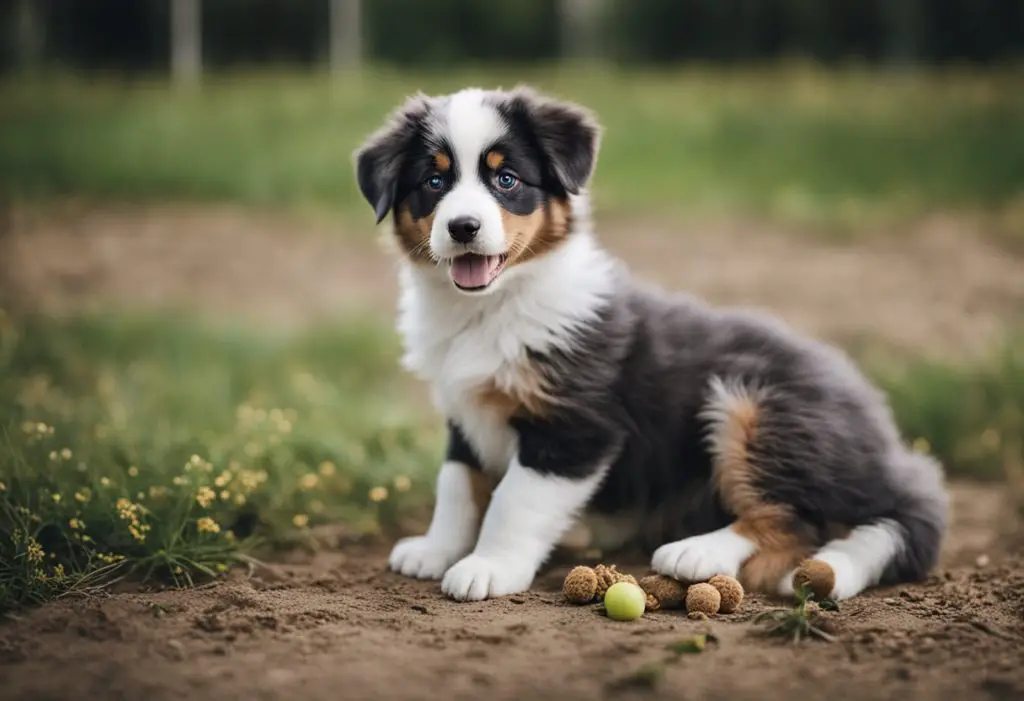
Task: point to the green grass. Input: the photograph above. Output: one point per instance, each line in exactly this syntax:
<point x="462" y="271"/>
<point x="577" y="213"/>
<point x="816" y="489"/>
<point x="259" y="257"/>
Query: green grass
<point x="161" y="447"/>
<point x="849" y="146"/>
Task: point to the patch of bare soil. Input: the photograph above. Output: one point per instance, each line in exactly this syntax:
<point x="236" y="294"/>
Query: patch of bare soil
<point x="941" y="288"/>
<point x="336" y="625"/>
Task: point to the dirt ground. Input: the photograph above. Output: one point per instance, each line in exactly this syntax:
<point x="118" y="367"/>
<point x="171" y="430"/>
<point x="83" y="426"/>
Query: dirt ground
<point x="334" y="624"/>
<point x="937" y="288"/>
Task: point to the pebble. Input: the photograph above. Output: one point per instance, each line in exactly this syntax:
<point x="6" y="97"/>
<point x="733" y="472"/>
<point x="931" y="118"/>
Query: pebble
<point x="177" y="649"/>
<point x="982" y="561"/>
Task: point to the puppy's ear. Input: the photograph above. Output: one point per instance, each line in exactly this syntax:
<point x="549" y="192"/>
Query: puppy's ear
<point x="568" y="135"/>
<point x="379" y="160"/>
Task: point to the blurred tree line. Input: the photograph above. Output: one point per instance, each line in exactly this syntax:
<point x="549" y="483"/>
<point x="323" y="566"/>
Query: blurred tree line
<point x="134" y="34"/>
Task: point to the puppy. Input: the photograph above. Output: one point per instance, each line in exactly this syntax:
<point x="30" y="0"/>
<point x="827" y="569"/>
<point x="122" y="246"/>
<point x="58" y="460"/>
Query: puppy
<point x="719" y="439"/>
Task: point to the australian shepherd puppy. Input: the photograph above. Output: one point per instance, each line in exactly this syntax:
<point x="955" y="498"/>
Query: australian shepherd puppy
<point x="719" y="439"/>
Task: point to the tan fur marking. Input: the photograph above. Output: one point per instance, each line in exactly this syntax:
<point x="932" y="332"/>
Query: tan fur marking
<point x="780" y="545"/>
<point x="532" y="235"/>
<point x="529" y="395"/>
<point x="414" y="235"/>
<point x="494" y="160"/>
<point x="734" y="473"/>
<point x="781" y="540"/>
<point x="764" y="570"/>
<point x="482" y="486"/>
<point x="442" y="162"/>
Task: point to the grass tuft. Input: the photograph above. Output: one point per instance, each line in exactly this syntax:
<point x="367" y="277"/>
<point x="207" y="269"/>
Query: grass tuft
<point x="162" y="449"/>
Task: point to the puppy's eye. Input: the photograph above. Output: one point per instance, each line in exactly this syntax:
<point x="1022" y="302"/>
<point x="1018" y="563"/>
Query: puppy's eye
<point x="435" y="182"/>
<point x="506" y="180"/>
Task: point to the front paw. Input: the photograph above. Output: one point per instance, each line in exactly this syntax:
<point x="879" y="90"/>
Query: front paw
<point x="475" y="578"/>
<point x="699" y="558"/>
<point x="423" y="557"/>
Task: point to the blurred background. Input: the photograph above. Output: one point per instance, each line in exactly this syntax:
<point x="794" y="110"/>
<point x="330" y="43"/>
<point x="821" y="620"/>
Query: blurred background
<point x="196" y="344"/>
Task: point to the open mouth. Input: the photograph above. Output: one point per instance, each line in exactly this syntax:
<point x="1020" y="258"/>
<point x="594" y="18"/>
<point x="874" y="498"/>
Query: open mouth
<point x="471" y="271"/>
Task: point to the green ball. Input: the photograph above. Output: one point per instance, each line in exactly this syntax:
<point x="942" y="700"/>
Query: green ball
<point x="624" y="601"/>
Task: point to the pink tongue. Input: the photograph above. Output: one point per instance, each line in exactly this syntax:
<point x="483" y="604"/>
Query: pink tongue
<point x="471" y="270"/>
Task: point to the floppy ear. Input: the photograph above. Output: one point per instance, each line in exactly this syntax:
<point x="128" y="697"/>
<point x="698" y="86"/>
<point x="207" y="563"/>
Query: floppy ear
<point x="568" y="135"/>
<point x="379" y="160"/>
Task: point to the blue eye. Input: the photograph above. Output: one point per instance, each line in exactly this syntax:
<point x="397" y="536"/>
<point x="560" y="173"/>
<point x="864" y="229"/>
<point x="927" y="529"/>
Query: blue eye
<point x="435" y="182"/>
<point x="506" y="180"/>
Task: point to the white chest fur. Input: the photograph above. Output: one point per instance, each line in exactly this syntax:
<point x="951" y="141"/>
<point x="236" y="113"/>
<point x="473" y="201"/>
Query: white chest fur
<point x="461" y="343"/>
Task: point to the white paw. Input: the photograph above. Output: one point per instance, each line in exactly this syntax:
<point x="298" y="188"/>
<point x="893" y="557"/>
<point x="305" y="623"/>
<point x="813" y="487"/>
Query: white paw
<point x="423" y="557"/>
<point x="701" y="557"/>
<point x="475" y="578"/>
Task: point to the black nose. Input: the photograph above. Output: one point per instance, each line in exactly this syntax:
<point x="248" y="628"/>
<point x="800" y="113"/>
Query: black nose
<point x="463" y="229"/>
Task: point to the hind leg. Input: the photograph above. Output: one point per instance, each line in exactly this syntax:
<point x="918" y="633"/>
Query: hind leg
<point x="766" y="539"/>
<point x="858" y="561"/>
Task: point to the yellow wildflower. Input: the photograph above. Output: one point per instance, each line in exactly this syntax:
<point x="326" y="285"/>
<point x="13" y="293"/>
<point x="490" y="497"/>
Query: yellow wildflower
<point x="225" y="495"/>
<point x="133" y="471"/>
<point x="83" y="495"/>
<point x="402" y="483"/>
<point x="105" y="481"/>
<point x="35" y="550"/>
<point x="76" y="524"/>
<point x="205" y="496"/>
<point x="327" y="468"/>
<point x="53" y="455"/>
<point x="222" y="479"/>
<point x="378" y="494"/>
<point x="65" y="453"/>
<point x="239" y="499"/>
<point x="308" y="481"/>
<point x="56" y="498"/>
<point x="3" y="487"/>
<point x="207" y="525"/>
<point x="300" y="520"/>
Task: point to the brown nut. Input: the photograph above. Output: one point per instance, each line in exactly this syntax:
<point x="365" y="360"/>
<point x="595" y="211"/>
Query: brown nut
<point x="668" y="592"/>
<point x="731" y="591"/>
<point x="580" y="585"/>
<point x="703" y="598"/>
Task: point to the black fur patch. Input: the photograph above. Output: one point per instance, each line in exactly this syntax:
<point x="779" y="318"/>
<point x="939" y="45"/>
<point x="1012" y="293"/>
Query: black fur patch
<point x="565" y="137"/>
<point x="380" y="161"/>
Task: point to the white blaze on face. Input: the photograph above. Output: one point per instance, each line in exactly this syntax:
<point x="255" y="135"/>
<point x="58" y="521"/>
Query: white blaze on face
<point x="470" y="127"/>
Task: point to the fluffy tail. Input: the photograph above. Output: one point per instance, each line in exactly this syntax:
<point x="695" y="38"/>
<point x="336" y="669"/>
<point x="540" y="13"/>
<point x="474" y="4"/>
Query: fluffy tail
<point x="922" y="514"/>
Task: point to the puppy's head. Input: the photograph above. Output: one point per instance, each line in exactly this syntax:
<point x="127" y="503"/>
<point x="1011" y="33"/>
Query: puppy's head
<point x="478" y="182"/>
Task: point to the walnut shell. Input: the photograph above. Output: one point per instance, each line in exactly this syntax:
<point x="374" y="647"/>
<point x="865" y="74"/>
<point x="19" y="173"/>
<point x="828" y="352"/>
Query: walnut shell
<point x="580" y="585"/>
<point x="669" y="593"/>
<point x="703" y="598"/>
<point x="608" y="575"/>
<point x="731" y="591"/>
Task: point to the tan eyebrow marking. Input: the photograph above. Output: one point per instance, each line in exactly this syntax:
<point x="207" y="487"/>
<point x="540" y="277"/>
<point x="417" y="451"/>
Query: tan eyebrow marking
<point x="442" y="162"/>
<point x="494" y="160"/>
